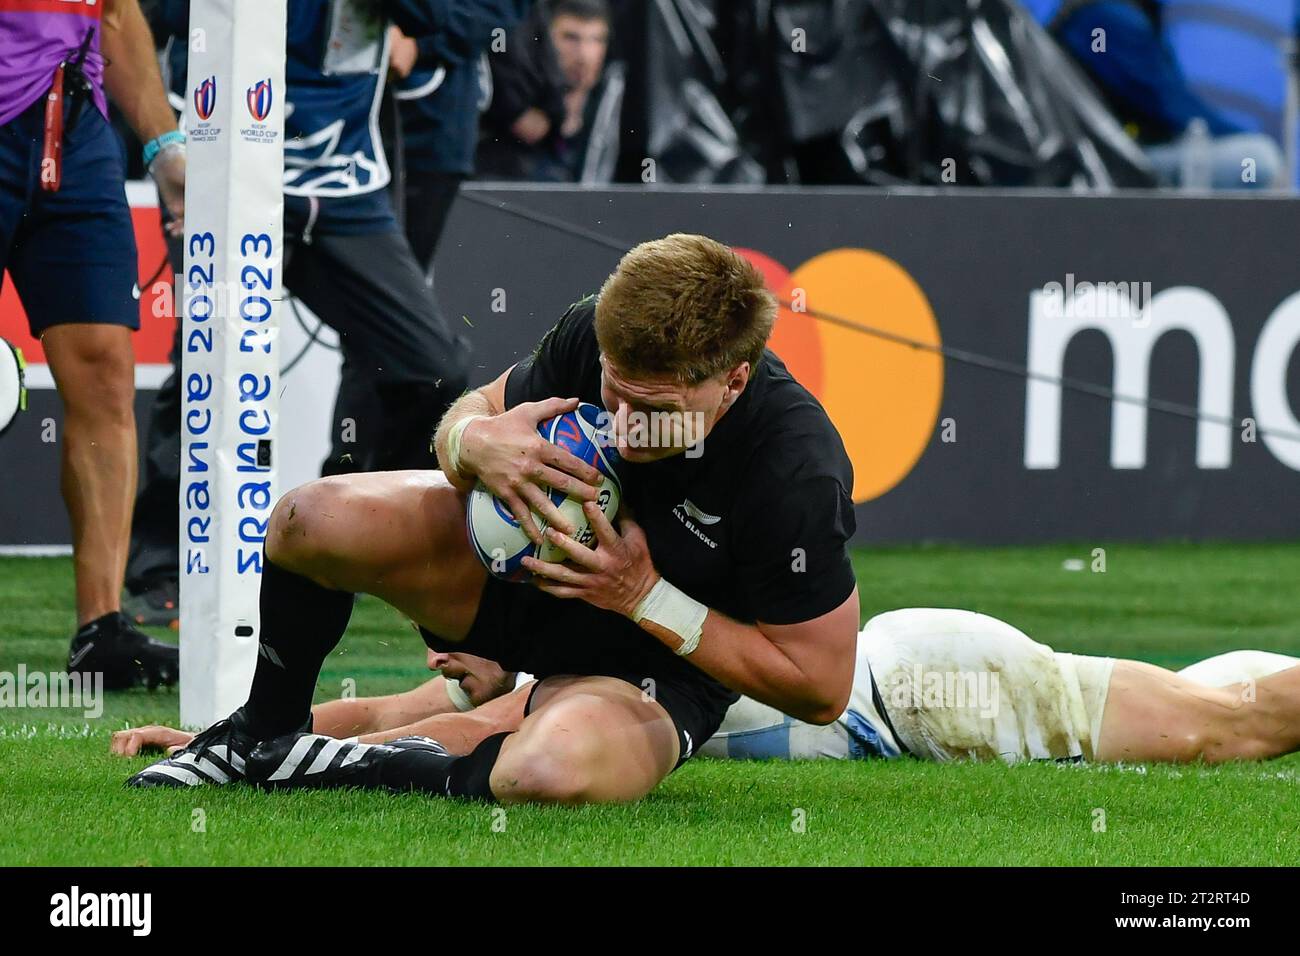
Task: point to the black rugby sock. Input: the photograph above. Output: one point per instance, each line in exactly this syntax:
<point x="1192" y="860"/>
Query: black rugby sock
<point x="466" y="777"/>
<point x="301" y="622"/>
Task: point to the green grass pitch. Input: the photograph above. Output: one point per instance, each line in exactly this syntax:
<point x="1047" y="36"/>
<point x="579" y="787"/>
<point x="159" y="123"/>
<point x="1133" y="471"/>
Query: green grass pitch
<point x="61" y="799"/>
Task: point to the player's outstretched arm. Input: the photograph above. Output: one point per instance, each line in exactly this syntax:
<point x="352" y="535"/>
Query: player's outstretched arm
<point x="334" y="718"/>
<point x="366" y="715"/>
<point x="143" y="740"/>
<point x="460" y="732"/>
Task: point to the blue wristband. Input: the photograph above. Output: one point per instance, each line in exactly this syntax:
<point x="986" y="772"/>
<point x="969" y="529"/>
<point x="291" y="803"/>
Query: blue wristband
<point x="155" y="146"/>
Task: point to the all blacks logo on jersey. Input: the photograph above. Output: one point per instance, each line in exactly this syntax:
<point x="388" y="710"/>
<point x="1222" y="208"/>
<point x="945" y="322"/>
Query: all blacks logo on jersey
<point x="691" y="515"/>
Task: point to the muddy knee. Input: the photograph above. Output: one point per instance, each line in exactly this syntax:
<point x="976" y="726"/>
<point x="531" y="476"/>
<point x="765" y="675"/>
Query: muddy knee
<point x="303" y="524"/>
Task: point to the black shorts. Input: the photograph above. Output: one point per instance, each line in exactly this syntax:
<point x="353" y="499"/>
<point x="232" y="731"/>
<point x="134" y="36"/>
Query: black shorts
<point x="524" y="629"/>
<point x="695" y="722"/>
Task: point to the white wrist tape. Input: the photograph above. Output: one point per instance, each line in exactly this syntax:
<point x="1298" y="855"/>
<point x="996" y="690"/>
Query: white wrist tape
<point x="676" y="611"/>
<point x="459" y="699"/>
<point x="454" y="436"/>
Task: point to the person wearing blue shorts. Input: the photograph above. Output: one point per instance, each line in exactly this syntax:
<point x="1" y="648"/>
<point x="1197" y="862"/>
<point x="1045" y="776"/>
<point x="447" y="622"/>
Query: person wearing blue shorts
<point x="67" y="244"/>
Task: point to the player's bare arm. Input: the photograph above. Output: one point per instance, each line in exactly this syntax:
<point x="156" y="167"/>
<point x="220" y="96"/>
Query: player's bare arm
<point x="804" y="670"/>
<point x="460" y="732"/>
<point x="366" y="715"/>
<point x="477" y="682"/>
<point x="800" y="669"/>
<point x="354" y="717"/>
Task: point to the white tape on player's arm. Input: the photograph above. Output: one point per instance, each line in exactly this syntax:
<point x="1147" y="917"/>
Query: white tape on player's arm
<point x="460" y="700"/>
<point x="676" y="611"/>
<point x="454" y="436"/>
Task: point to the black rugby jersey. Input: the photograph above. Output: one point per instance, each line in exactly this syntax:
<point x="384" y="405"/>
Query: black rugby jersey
<point x="757" y="526"/>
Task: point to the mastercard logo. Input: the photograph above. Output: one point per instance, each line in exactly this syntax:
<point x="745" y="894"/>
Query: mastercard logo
<point x="883" y="396"/>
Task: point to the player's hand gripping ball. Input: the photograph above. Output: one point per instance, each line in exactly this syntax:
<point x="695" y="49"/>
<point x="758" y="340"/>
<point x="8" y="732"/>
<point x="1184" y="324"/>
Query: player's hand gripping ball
<point x="494" y="533"/>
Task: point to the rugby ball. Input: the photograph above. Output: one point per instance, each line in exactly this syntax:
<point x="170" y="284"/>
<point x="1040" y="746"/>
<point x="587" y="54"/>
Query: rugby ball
<point x="13" y="394"/>
<point x="494" y="533"/>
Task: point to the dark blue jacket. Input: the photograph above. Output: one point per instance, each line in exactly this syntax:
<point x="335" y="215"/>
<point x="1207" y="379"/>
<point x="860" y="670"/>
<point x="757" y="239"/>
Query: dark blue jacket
<point x="440" y="124"/>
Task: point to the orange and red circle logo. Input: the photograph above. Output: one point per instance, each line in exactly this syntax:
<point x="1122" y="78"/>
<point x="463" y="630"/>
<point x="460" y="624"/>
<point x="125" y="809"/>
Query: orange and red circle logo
<point x="883" y="396"/>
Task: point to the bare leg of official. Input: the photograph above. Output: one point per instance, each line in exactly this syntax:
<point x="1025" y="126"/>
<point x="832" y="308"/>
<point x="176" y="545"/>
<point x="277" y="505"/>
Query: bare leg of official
<point x="94" y="368"/>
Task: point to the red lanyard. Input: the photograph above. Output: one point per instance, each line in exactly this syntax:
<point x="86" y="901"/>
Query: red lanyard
<point x="52" y="153"/>
<point x="52" y="150"/>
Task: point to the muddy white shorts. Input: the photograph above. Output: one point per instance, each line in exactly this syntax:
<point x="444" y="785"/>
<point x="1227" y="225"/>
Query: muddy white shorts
<point x="957" y="685"/>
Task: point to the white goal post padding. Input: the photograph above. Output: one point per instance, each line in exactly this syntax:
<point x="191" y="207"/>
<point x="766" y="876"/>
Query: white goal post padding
<point x="230" y="347"/>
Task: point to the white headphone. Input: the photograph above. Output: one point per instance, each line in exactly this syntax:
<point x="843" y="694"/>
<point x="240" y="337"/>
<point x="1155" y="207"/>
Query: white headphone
<point x="13" y="392"/>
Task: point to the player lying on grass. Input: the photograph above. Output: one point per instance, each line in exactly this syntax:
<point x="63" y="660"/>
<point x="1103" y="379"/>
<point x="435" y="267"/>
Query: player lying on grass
<point x="734" y="578"/>
<point x="468" y="686"/>
<point x="1042" y="704"/>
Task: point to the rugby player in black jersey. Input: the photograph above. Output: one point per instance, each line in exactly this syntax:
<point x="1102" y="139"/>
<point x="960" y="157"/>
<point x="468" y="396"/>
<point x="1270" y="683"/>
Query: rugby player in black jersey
<point x="732" y="577"/>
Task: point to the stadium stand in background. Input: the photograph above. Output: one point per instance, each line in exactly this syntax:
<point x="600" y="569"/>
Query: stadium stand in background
<point x="1234" y="54"/>
<point x="713" y="92"/>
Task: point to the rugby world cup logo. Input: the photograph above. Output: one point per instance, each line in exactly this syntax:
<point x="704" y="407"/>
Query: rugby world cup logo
<point x="259" y="100"/>
<point x="205" y="98"/>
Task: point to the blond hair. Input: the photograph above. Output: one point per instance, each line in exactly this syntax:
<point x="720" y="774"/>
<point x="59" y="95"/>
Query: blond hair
<point x="685" y="307"/>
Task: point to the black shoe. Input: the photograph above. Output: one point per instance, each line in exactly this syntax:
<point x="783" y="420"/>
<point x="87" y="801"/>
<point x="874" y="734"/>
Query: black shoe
<point x="111" y="645"/>
<point x="216" y="756"/>
<point x="314" y="761"/>
<point x="156" y="606"/>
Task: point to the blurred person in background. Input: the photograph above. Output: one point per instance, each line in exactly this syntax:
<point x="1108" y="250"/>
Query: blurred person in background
<point x="68" y="244"/>
<point x="1189" y="143"/>
<point x="545" y="89"/>
<point x="345" y="257"/>
<point x="429" y="124"/>
<point x="438" y="107"/>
